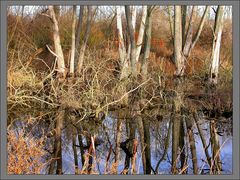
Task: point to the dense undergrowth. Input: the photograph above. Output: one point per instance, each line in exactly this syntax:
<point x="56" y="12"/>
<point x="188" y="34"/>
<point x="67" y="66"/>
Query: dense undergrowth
<point x="33" y="90"/>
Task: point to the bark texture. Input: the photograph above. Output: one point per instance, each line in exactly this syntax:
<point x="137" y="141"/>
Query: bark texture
<point x="215" y="58"/>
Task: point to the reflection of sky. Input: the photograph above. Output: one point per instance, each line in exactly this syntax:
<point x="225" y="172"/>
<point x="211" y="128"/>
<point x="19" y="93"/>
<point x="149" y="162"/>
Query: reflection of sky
<point x="165" y="166"/>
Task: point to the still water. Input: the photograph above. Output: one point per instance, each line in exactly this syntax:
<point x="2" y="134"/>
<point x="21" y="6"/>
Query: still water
<point x="158" y="133"/>
<point x="106" y="130"/>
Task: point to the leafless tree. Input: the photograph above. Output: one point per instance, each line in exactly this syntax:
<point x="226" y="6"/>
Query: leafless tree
<point x="84" y="44"/>
<point x="130" y="29"/>
<point x="57" y="43"/>
<point x="217" y="34"/>
<point x="73" y="41"/>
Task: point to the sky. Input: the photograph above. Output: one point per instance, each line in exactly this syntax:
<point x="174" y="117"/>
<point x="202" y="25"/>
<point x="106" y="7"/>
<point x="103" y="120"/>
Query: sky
<point x="107" y="10"/>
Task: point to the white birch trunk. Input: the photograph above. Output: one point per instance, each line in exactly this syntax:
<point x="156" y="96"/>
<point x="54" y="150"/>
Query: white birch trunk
<point x="147" y="43"/>
<point x="141" y="32"/>
<point x="216" y="45"/>
<point x="200" y="28"/>
<point x="73" y="41"/>
<point x="169" y="8"/>
<point x="86" y="36"/>
<point x="57" y="42"/>
<point x="131" y="32"/>
<point x="134" y="15"/>
<point x="79" y="30"/>
<point x="121" y="46"/>
<point x="189" y="34"/>
<point x="179" y="60"/>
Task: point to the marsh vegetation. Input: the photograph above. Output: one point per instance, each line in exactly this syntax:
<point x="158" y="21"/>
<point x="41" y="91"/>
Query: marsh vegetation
<point x="119" y="90"/>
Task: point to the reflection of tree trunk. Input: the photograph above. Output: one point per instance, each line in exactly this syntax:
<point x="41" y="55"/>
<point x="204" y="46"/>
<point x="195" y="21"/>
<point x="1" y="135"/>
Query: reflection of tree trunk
<point x="176" y="120"/>
<point x="166" y="144"/>
<point x="75" y="152"/>
<point x="135" y="143"/>
<point x="195" y="116"/>
<point x="60" y="119"/>
<point x="58" y="143"/>
<point x="182" y="146"/>
<point x="216" y="165"/>
<point x="132" y="137"/>
<point x="107" y="162"/>
<point x="81" y="146"/>
<point x="127" y="158"/>
<point x="147" y="151"/>
<point x="90" y="154"/>
<point x="134" y="108"/>
<point x="175" y="140"/>
<point x="189" y="124"/>
<point x="52" y="164"/>
<point x="141" y="133"/>
<point x="128" y="146"/>
<point x="126" y="164"/>
<point x="118" y="140"/>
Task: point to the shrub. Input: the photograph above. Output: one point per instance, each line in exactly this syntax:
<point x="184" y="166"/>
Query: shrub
<point x="24" y="153"/>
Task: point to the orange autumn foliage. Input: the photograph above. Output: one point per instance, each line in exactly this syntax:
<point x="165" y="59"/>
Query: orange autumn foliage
<point x="24" y="153"/>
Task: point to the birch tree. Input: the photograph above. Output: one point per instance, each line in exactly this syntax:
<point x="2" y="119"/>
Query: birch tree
<point x="79" y="26"/>
<point x="199" y="30"/>
<point x="121" y="46"/>
<point x="178" y="58"/>
<point x="147" y="42"/>
<point x="215" y="57"/>
<point x="171" y="23"/>
<point x="188" y="39"/>
<point x="57" y="43"/>
<point x="130" y="30"/>
<point x="118" y="141"/>
<point x="141" y="32"/>
<point x="73" y="40"/>
<point x="133" y="12"/>
<point x="84" y="44"/>
<point x="125" y="56"/>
